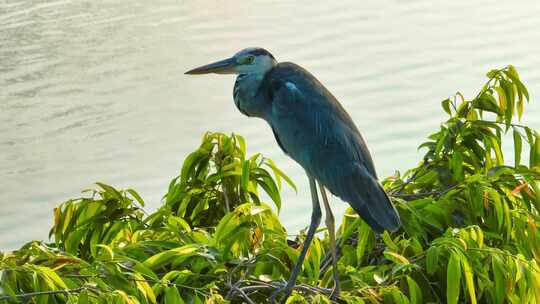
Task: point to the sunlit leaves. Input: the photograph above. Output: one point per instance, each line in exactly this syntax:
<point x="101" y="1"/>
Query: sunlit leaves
<point x="219" y="176"/>
<point x="502" y="97"/>
<point x="107" y="216"/>
<point x="468" y="183"/>
<point x="469" y="227"/>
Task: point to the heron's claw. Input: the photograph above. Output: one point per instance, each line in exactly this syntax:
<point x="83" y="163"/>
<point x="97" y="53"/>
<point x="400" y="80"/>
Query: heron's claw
<point x="335" y="294"/>
<point x="336" y="290"/>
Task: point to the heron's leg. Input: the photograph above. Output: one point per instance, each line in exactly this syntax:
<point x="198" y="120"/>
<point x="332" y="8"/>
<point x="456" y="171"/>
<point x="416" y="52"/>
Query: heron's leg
<point x="330" y="224"/>
<point x="315" y="221"/>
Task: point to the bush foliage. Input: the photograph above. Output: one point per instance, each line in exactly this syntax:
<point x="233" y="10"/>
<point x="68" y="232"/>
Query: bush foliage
<point x="469" y="229"/>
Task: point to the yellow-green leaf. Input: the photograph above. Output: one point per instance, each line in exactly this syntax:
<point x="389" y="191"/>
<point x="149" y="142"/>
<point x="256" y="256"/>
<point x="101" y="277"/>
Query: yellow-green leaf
<point x="396" y="257"/>
<point x="517" y="147"/>
<point x="164" y="257"/>
<point x="245" y="175"/>
<point x="453" y="279"/>
<point x="469" y="279"/>
<point x="144" y="287"/>
<point x="52" y="275"/>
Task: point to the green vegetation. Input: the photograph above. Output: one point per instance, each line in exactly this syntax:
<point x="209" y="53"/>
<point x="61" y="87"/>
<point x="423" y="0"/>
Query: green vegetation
<point x="469" y="227"/>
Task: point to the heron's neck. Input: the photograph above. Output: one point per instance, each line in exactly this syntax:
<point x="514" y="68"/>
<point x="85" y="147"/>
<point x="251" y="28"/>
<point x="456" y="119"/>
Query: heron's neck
<point x="246" y="94"/>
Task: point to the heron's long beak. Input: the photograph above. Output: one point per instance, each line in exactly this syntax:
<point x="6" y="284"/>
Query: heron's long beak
<point x="225" y="66"/>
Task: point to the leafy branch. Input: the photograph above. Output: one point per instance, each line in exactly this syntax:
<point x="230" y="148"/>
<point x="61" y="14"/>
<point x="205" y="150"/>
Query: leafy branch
<point x="469" y="227"/>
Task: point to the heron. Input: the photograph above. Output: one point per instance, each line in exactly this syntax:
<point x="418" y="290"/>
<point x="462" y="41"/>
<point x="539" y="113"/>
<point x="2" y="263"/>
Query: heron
<point x="312" y="127"/>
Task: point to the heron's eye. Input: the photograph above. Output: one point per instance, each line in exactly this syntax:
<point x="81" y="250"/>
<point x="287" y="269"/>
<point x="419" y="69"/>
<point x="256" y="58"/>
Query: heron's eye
<point x="249" y="60"/>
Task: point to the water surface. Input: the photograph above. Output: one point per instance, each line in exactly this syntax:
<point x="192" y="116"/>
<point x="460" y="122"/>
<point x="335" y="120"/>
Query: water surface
<point x="95" y="91"/>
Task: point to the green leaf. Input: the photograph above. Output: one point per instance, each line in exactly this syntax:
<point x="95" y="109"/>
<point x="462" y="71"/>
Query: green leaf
<point x="245" y="175"/>
<point x="396" y="257"/>
<point x="52" y="275"/>
<point x="456" y="164"/>
<point x="189" y="165"/>
<point x="144" y="288"/>
<point x="453" y="279"/>
<point x="502" y="98"/>
<point x="469" y="280"/>
<point x="517" y="147"/>
<point x="492" y="73"/>
<point x="520" y="106"/>
<point x="432" y="259"/>
<point x="463" y="109"/>
<point x="177" y="221"/>
<point x="140" y="267"/>
<point x="83" y="298"/>
<point x="172" y="296"/>
<point x="136" y="196"/>
<point x="164" y="257"/>
<point x="278" y="172"/>
<point x="6" y="288"/>
<point x="364" y="232"/>
<point x="107" y="249"/>
<point x="67" y="217"/>
<point x="486" y="102"/>
<point x="499" y="288"/>
<point x="398" y="296"/>
<point x="110" y="190"/>
<point x="499" y="211"/>
<point x="509" y="95"/>
<point x="497" y="149"/>
<point x="242" y="144"/>
<point x="415" y="293"/>
<point x="537" y="151"/>
<point x="446" y="106"/>
<point x="270" y="187"/>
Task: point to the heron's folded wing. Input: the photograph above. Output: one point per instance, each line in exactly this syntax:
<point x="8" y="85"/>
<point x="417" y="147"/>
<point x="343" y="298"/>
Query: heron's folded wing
<point x="355" y="185"/>
<point x="314" y="129"/>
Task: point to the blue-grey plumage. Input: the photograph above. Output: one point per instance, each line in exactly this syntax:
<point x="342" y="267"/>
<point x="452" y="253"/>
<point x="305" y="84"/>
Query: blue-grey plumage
<point x="312" y="127"/>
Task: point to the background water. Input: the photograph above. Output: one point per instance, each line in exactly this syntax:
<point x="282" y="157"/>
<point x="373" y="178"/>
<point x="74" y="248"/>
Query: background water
<point x="95" y="91"/>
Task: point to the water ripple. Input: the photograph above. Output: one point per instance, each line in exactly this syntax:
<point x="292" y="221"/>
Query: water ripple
<point x="96" y="91"/>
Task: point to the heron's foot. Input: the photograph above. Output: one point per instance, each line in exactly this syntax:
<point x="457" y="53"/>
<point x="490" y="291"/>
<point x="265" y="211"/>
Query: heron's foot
<point x="335" y="293"/>
<point x="336" y="290"/>
<point x="285" y="291"/>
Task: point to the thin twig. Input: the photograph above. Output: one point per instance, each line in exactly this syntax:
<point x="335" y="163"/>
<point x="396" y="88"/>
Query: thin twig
<point x="244" y="295"/>
<point x="199" y="290"/>
<point x="43" y="293"/>
<point x="251" y="286"/>
<point x="413" y="196"/>
<point x="499" y="123"/>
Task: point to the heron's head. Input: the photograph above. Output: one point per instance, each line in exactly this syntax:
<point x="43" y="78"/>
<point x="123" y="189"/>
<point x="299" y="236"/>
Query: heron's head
<point x="247" y="61"/>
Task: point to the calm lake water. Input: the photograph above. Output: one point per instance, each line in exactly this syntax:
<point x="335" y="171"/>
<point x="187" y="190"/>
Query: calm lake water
<point x="95" y="91"/>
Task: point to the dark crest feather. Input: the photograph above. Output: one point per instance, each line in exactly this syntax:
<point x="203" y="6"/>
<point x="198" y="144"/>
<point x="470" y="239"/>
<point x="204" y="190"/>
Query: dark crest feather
<point x="261" y="51"/>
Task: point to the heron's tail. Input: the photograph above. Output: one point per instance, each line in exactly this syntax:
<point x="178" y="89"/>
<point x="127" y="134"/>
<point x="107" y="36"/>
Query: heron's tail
<point x="372" y="203"/>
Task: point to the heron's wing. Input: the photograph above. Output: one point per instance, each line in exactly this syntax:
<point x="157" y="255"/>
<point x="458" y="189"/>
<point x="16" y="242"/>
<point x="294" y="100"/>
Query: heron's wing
<point x="294" y="92"/>
<point x="314" y="129"/>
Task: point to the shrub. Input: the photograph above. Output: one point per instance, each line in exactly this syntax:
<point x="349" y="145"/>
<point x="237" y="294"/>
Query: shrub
<point x="469" y="229"/>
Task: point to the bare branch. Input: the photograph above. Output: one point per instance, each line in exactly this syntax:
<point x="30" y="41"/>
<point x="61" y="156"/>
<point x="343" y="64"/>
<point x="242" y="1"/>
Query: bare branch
<point x="413" y="196"/>
<point x="44" y="293"/>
